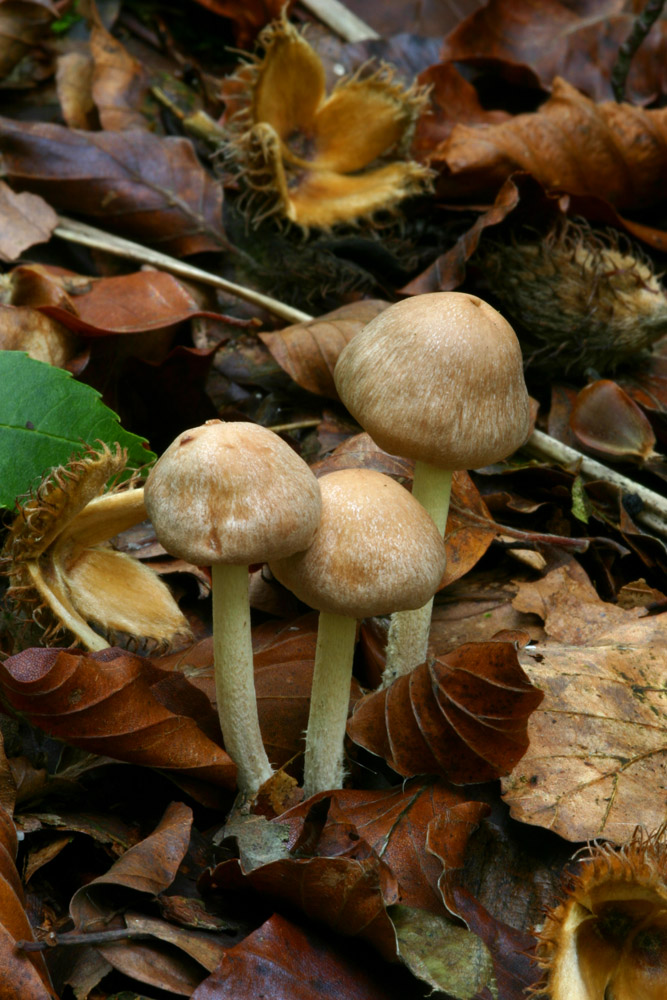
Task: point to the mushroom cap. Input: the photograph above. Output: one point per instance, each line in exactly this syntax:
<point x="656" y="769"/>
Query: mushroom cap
<point x="232" y="493"/>
<point x="438" y="378"/>
<point x="376" y="549"/>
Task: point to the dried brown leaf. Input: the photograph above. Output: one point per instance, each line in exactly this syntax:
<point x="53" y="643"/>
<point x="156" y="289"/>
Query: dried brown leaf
<point x="26" y="220"/>
<point x="23" y="23"/>
<point x="119" y="82"/>
<point x="612" y="151"/>
<point x="308" y="351"/>
<point x="134" y="182"/>
<point x="462" y="716"/>
<point x="597" y="761"/>
<point x="113" y="703"/>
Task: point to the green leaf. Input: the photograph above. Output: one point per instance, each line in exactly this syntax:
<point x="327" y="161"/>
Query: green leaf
<point x="45" y="417"/>
<point x="581" y="505"/>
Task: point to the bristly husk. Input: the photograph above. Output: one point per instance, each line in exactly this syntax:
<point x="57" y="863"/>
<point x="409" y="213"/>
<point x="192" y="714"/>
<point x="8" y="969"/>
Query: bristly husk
<point x="579" y="299"/>
<point x="317" y="160"/>
<point x="608" y="937"/>
<point x="65" y="577"/>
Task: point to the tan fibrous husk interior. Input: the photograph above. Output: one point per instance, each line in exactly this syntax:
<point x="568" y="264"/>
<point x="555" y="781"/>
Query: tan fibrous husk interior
<point x="578" y="298"/>
<point x="314" y="159"/>
<point x="608" y="937"/>
<point x="66" y="577"/>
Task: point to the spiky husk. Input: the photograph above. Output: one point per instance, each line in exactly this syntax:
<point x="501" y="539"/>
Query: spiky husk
<point x="579" y="299"/>
<point x="65" y="577"/>
<point x="312" y="159"/>
<point x="608" y="937"/>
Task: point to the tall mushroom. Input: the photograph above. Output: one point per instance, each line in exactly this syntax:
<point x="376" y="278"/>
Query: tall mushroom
<point x="228" y="495"/>
<point x="437" y="378"/>
<point x="376" y="550"/>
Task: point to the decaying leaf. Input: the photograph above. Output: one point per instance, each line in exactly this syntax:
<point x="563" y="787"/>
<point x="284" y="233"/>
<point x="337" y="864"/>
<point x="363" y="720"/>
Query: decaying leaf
<point x="65" y="576"/>
<point x="613" y="151"/>
<point x="319" y="160"/>
<point x="26" y="220"/>
<point x="118" y="705"/>
<point x="23" y="23"/>
<point x="462" y="716"/>
<point x="596" y="765"/>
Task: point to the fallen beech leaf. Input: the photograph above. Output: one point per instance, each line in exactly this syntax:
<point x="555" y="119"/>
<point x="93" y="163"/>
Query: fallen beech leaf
<point x="43" y="338"/>
<point x="147" y="188"/>
<point x="106" y="703"/>
<point x="613" y="151"/>
<point x="119" y="82"/>
<point x="610" y="425"/>
<point x="125" y="303"/>
<point x="247" y="16"/>
<point x="579" y="41"/>
<point x="308" y="351"/>
<point x="448" y="835"/>
<point x="23" y="23"/>
<point x="21" y="973"/>
<point x="597" y="760"/>
<point x="26" y="220"/>
<point x="74" y="79"/>
<point x="281" y="960"/>
<point x="462" y="716"/>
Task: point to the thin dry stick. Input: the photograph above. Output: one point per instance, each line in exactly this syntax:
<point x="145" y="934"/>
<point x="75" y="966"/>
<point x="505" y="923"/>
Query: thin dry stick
<point x="628" y="49"/>
<point x="654" y="514"/>
<point x="341" y="20"/>
<point x="80" y="232"/>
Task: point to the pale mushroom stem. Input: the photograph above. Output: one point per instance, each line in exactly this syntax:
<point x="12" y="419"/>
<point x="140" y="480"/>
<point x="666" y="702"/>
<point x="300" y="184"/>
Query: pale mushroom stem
<point x="234" y="677"/>
<point x="407" y="641"/>
<point x="329" y="702"/>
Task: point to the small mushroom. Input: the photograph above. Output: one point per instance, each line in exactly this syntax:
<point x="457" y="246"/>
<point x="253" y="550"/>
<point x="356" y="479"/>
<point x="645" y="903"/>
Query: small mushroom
<point x="376" y="550"/>
<point x="227" y="495"/>
<point x="437" y="378"/>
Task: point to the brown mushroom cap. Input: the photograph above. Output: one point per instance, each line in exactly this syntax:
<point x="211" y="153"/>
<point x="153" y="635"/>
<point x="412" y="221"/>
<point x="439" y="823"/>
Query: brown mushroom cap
<point x="232" y="493"/>
<point x="376" y="549"/>
<point x="438" y="378"/>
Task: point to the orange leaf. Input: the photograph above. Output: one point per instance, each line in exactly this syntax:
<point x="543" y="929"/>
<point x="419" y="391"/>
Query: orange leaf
<point x="107" y="703"/>
<point x="613" y="151"/>
<point x="462" y="715"/>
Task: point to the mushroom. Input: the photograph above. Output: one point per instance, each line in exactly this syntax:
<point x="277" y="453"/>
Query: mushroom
<point x="228" y="495"/>
<point x="437" y="378"/>
<point x="376" y="550"/>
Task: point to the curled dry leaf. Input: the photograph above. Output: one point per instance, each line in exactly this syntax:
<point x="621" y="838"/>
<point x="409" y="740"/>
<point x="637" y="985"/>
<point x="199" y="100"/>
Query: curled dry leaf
<point x="134" y="182"/>
<point x="308" y="351"/>
<point x="462" y="716"/>
<point x="597" y="761"/>
<point x="42" y="338"/>
<point x="26" y="220"/>
<point x="612" y="151"/>
<point x="610" y="425"/>
<point x="264" y="965"/>
<point x="119" y="82"/>
<point x="112" y="703"/>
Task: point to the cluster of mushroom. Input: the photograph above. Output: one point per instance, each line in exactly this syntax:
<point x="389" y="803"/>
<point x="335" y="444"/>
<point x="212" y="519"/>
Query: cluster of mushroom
<point x="437" y="378"/>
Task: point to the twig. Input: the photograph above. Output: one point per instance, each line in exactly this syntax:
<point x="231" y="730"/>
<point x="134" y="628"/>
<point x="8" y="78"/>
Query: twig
<point x="80" y="232"/>
<point x="654" y="514"/>
<point x="640" y="29"/>
<point x="341" y="20"/>
<point x="53" y="940"/>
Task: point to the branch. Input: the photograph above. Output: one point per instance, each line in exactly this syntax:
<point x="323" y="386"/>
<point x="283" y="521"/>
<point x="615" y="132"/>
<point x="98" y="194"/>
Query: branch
<point x="640" y="29"/>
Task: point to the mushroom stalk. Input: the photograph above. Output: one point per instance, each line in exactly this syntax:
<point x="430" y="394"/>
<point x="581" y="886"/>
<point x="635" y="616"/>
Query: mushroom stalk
<point x="407" y="641"/>
<point x="234" y="677"/>
<point x="329" y="702"/>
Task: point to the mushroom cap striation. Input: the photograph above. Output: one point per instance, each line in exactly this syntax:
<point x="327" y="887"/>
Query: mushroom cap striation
<point x="438" y="378"/>
<point x="232" y="493"/>
<point x="376" y="549"/>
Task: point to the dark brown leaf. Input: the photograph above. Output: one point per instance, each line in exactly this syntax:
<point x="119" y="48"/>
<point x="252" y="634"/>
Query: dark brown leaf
<point x="308" y="351"/>
<point x="23" y="23"/>
<point x="107" y="703"/>
<point x="463" y="715"/>
<point x="147" y="188"/>
<point x="248" y="16"/>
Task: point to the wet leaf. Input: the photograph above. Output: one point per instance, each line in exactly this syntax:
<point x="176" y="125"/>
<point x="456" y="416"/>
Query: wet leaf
<point x="462" y="715"/>
<point x="308" y="351"/>
<point x="147" y="188"/>
<point x="281" y="960"/>
<point x="112" y="703"/>
<point x="597" y="761"/>
<point x="26" y="220"/>
<point x="610" y="425"/>
<point x="622" y="159"/>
